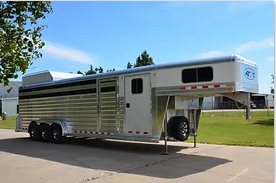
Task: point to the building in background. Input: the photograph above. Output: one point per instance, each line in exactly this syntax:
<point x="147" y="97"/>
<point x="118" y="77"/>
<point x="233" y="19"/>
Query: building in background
<point x="9" y="105"/>
<point x="208" y="103"/>
<point x="9" y="100"/>
<point x="263" y="101"/>
<point x="259" y="101"/>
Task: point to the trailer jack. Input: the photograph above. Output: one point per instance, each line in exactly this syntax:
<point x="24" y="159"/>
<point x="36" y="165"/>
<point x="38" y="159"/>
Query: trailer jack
<point x="165" y="128"/>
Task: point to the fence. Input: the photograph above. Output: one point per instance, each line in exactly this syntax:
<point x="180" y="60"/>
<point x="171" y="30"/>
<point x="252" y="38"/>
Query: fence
<point x="232" y="109"/>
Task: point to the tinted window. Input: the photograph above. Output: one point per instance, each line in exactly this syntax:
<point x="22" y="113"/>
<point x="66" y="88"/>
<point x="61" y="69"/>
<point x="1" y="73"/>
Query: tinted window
<point x="205" y="74"/>
<point x="197" y="75"/>
<point x="137" y="86"/>
<point x="189" y="75"/>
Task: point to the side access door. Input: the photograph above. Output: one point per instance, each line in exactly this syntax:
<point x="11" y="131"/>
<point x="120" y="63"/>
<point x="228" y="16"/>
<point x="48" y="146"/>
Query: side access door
<point x="138" y="104"/>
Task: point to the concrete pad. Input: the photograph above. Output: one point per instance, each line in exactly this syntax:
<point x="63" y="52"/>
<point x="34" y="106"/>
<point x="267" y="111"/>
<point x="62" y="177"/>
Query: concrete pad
<point x="82" y="161"/>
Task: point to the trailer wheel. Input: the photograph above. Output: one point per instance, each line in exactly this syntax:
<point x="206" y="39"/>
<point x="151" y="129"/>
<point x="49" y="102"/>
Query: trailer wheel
<point x="179" y="128"/>
<point x="171" y="126"/>
<point x="34" y="131"/>
<point x="46" y="132"/>
<point x="57" y="134"/>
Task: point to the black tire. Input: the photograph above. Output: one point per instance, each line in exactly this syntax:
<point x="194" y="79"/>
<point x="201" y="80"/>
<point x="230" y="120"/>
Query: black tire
<point x="179" y="128"/>
<point x="46" y="133"/>
<point x="171" y="126"/>
<point x="57" y="134"/>
<point x="35" y="132"/>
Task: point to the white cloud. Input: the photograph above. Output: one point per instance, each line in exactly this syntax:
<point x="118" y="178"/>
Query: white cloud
<point x="269" y="42"/>
<point x="271" y="59"/>
<point x="266" y="43"/>
<point x="211" y="54"/>
<point x="63" y="52"/>
<point x="245" y="5"/>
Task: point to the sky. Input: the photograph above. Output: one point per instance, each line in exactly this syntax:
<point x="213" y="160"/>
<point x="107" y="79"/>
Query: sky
<point x="110" y="34"/>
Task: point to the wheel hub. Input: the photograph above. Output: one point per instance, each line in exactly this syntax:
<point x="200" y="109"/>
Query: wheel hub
<point x="55" y="135"/>
<point x="184" y="128"/>
<point x="43" y="134"/>
<point x="32" y="133"/>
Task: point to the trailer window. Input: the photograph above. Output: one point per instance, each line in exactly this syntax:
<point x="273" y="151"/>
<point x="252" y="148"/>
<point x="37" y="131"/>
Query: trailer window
<point x="189" y="76"/>
<point x="137" y="86"/>
<point x="205" y="74"/>
<point x="194" y="75"/>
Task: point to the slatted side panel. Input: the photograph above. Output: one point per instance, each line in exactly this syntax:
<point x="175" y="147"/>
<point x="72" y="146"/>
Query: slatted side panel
<point x="108" y="105"/>
<point x="77" y="105"/>
<point x="121" y="114"/>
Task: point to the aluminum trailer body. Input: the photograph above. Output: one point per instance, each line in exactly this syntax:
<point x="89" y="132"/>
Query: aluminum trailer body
<point x="132" y="104"/>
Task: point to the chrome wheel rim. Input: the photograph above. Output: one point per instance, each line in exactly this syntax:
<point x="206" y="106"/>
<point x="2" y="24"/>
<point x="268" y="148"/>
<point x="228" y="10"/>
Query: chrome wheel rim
<point x="184" y="128"/>
<point x="32" y="133"/>
<point x="55" y="135"/>
<point x="43" y="134"/>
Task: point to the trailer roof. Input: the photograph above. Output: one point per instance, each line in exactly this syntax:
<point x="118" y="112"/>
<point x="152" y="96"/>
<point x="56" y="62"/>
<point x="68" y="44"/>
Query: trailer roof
<point x="231" y="58"/>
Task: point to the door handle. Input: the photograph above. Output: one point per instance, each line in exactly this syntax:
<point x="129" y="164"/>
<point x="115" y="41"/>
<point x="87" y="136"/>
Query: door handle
<point x="127" y="105"/>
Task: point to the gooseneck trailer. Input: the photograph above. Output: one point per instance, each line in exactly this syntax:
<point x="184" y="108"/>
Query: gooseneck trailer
<point x="139" y="104"/>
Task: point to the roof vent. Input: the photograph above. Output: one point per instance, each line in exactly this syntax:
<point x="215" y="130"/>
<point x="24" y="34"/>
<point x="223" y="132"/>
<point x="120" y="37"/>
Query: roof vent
<point x="46" y="76"/>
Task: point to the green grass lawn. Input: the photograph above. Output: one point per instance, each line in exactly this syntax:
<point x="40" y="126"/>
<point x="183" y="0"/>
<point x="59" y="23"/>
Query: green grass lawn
<point x="229" y="128"/>
<point x="9" y="123"/>
<point x="234" y="129"/>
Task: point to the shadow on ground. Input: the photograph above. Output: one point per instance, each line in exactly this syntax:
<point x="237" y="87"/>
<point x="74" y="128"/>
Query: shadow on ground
<point x="267" y="122"/>
<point x="116" y="156"/>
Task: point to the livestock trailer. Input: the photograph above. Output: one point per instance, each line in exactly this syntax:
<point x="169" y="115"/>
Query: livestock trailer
<point x="138" y="104"/>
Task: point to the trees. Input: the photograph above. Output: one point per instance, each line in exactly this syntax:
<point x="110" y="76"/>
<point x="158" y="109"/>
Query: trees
<point x="79" y="72"/>
<point x="110" y="70"/>
<point x="142" y="60"/>
<point x="129" y="65"/>
<point x="97" y="70"/>
<point x="20" y="35"/>
<point x="91" y="71"/>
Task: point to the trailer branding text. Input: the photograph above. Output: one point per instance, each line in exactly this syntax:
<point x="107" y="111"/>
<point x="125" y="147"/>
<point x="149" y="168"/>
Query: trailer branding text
<point x="249" y="74"/>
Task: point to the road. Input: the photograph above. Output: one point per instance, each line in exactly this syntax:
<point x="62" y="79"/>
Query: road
<point x="86" y="161"/>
